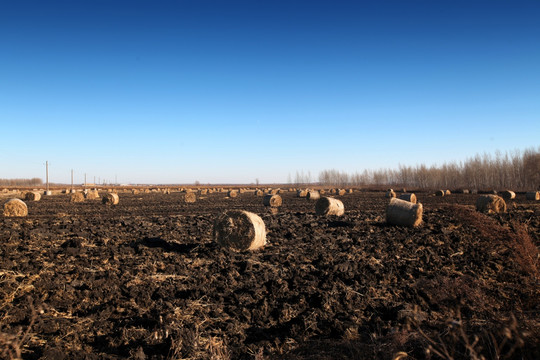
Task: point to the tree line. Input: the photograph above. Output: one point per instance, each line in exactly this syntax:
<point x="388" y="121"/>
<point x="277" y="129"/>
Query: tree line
<point x="21" y="182"/>
<point x="518" y="170"/>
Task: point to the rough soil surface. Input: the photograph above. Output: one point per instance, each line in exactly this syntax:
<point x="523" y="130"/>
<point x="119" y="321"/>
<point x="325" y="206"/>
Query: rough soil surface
<point x="144" y="280"/>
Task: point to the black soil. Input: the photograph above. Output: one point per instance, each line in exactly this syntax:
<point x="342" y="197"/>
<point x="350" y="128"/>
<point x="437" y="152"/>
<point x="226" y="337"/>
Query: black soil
<point x="144" y="280"/>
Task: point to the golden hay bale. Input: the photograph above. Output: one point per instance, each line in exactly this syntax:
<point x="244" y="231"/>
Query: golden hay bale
<point x="390" y="194"/>
<point x="490" y="204"/>
<point x="332" y="191"/>
<point x="273" y="191"/>
<point x="135" y="191"/>
<point x="92" y="195"/>
<point x="301" y="193"/>
<point x="76" y="197"/>
<point x="259" y="193"/>
<point x="110" y="198"/>
<point x="32" y="196"/>
<point x="404" y="213"/>
<point x="508" y="195"/>
<point x="232" y="193"/>
<point x="340" y="192"/>
<point x="15" y="207"/>
<point x="533" y="195"/>
<point x="447" y="192"/>
<point x="408" y="197"/>
<point x="350" y="191"/>
<point x="204" y="191"/>
<point x="272" y="200"/>
<point x="239" y="230"/>
<point x="322" y="192"/>
<point x="440" y="193"/>
<point x="313" y="195"/>
<point x="329" y="206"/>
<point x="190" y="197"/>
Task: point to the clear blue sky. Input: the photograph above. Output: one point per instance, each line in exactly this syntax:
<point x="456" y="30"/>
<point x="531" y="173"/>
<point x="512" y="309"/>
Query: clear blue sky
<point x="229" y="91"/>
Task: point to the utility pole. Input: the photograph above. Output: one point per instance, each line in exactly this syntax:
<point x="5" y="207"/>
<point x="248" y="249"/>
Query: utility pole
<point x="47" y="174"/>
<point x="84" y="179"/>
<point x="71" y="180"/>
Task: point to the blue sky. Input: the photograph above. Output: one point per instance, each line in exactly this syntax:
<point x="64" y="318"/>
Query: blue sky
<point x="231" y="91"/>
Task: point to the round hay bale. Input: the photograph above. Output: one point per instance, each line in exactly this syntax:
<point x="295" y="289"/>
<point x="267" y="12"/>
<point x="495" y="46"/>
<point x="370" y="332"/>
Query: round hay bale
<point x="340" y="192"/>
<point x="350" y="191"/>
<point x="190" y="197"/>
<point x="313" y="195"/>
<point x="532" y="195"/>
<point x="259" y="193"/>
<point x="322" y="192"/>
<point x="447" y="192"/>
<point x="47" y="193"/>
<point x="408" y="197"/>
<point x="440" y="193"/>
<point x="32" y="196"/>
<point x="273" y="191"/>
<point x="76" y="197"/>
<point x="15" y="207"/>
<point x="272" y="200"/>
<point x="239" y="230"/>
<point x="135" y="191"/>
<point x="404" y="213"/>
<point x="203" y="191"/>
<point x="390" y="194"/>
<point x="490" y="204"/>
<point x="92" y="195"/>
<point x="465" y="191"/>
<point x="332" y="191"/>
<point x="301" y="193"/>
<point x="232" y="193"/>
<point x="329" y="206"/>
<point x="508" y="195"/>
<point x="110" y="198"/>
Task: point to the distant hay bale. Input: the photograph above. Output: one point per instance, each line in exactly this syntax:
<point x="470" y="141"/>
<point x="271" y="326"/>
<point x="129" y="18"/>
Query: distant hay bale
<point x="408" y="197"/>
<point x="15" y="208"/>
<point x="403" y="213"/>
<point x="313" y="195"/>
<point x="340" y="192"/>
<point x="390" y="194"/>
<point x="203" y="191"/>
<point x="259" y="193"/>
<point x="32" y="196"/>
<point x="447" y="192"/>
<point x="465" y="191"/>
<point x="301" y="193"/>
<point x="273" y="191"/>
<point x="532" y="195"/>
<point x="440" y="193"/>
<point x="239" y="230"/>
<point x="332" y="191"/>
<point x="232" y="193"/>
<point x="490" y="204"/>
<point x="508" y="195"/>
<point x="190" y="197"/>
<point x="65" y="191"/>
<point x="322" y="192"/>
<point x="272" y="200"/>
<point x="110" y="198"/>
<point x="76" y="197"/>
<point x="135" y="191"/>
<point x="350" y="191"/>
<point x="92" y="195"/>
<point x="329" y="206"/>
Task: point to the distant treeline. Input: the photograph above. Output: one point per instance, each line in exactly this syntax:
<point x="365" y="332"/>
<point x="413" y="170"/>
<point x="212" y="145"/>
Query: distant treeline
<point x="21" y="182"/>
<point x="518" y="170"/>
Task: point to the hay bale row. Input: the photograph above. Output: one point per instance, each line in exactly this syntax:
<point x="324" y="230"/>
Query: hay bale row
<point x="404" y="213"/>
<point x="15" y="208"/>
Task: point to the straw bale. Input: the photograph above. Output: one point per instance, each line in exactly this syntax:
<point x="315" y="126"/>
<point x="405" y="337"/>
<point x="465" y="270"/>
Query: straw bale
<point x="110" y="198"/>
<point x="390" y="193"/>
<point x="533" y="195"/>
<point x="259" y="192"/>
<point x="322" y="192"/>
<point x="408" y="197"/>
<point x="313" y="195"/>
<point x="76" y="197"/>
<point x="301" y="193"/>
<point x="135" y="191"/>
<point x="508" y="195"/>
<point x="239" y="230"/>
<point x="332" y="191"/>
<point x="92" y="195"/>
<point x="15" y="207"/>
<point x="447" y="192"/>
<point x="340" y="192"/>
<point x="403" y="213"/>
<point x="232" y="193"/>
<point x="350" y="191"/>
<point x="32" y="196"/>
<point x="204" y="191"/>
<point x="329" y="206"/>
<point x="440" y="193"/>
<point x="190" y="197"/>
<point x="490" y="204"/>
<point x="272" y="200"/>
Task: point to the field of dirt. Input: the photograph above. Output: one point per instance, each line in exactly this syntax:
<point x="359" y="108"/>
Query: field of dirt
<point x="145" y="280"/>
